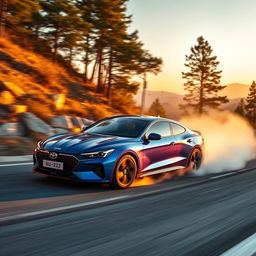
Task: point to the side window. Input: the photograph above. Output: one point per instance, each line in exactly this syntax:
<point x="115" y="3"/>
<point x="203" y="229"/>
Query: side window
<point x="161" y="128"/>
<point x="177" y="129"/>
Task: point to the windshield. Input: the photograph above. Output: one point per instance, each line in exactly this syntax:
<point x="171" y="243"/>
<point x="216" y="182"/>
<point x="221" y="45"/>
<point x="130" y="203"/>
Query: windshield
<point x="121" y="126"/>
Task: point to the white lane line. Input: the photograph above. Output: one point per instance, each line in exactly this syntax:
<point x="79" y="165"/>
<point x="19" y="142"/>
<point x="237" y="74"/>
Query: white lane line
<point x="16" y="164"/>
<point x="245" y="248"/>
<point x="222" y="175"/>
<point x="62" y="208"/>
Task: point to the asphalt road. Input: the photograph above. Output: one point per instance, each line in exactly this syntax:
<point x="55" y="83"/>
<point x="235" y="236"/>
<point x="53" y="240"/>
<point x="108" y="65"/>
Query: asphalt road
<point x="200" y="216"/>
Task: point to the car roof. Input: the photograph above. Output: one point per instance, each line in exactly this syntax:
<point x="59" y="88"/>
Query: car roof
<point x="147" y="118"/>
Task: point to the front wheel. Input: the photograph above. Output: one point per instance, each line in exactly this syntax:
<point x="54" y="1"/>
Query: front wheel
<point x="125" y="172"/>
<point x="195" y="160"/>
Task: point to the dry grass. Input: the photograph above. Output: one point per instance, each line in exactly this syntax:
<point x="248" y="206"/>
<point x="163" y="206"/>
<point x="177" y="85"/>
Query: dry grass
<point x="39" y="77"/>
<point x="50" y="71"/>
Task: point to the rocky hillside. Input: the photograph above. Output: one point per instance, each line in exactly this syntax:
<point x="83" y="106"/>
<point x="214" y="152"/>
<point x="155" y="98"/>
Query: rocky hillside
<point x="30" y="82"/>
<point x="39" y="98"/>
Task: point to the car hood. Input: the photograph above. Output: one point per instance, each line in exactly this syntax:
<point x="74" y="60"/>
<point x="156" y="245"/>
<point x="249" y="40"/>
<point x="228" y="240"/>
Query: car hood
<point x="82" y="142"/>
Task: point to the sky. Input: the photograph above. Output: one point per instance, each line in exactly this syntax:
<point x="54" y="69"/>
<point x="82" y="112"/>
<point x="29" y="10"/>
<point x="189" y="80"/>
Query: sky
<point x="169" y="28"/>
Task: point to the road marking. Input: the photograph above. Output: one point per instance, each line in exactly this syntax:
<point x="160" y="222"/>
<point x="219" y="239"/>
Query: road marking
<point x="222" y="175"/>
<point x="246" y="247"/>
<point x="60" y="209"/>
<point x="16" y="164"/>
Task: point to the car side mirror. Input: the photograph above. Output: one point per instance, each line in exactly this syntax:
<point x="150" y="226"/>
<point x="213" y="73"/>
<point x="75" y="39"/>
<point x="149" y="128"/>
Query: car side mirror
<point x="84" y="128"/>
<point x="154" y="136"/>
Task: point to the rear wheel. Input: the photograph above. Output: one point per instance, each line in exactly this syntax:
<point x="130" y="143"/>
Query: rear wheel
<point x="195" y="160"/>
<point x="125" y="172"/>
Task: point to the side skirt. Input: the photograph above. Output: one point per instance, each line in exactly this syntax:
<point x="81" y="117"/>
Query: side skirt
<point x="162" y="171"/>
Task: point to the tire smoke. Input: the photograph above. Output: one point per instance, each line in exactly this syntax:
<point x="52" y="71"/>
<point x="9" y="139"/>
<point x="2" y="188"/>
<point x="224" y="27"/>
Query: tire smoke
<point x="229" y="141"/>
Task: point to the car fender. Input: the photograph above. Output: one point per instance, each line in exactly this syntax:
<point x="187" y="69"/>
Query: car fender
<point x="133" y="154"/>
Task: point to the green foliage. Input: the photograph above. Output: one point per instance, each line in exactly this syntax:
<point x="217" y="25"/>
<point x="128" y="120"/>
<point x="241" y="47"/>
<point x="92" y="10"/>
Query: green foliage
<point x="203" y="79"/>
<point x="22" y="15"/>
<point x="125" y="85"/>
<point x="148" y="63"/>
<point x="120" y="100"/>
<point x="156" y="109"/>
<point x="62" y="25"/>
<point x="92" y="32"/>
<point x="250" y="107"/>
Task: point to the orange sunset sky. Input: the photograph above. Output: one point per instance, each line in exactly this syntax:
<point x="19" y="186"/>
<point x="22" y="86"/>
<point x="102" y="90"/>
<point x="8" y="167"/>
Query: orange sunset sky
<point x="168" y="28"/>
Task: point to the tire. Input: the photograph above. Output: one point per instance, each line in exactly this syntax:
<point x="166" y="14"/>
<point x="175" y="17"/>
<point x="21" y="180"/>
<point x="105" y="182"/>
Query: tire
<point x="125" y="172"/>
<point x="195" y="160"/>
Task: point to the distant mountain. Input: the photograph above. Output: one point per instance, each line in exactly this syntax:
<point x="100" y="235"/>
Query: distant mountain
<point x="236" y="90"/>
<point x="171" y="101"/>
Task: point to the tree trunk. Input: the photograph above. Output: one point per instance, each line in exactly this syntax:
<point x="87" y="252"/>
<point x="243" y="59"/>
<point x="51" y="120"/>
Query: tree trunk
<point x="37" y="32"/>
<point x="70" y="56"/>
<point x="3" y="9"/>
<point x="99" y="83"/>
<point x="94" y="69"/>
<point x="201" y="96"/>
<point x="110" y="74"/>
<point x="55" y="43"/>
<point x="104" y="79"/>
<point x="200" y="110"/>
<point x="86" y="61"/>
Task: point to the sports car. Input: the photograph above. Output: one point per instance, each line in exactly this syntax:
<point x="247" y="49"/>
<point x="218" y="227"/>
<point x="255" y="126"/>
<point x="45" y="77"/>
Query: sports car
<point x="119" y="149"/>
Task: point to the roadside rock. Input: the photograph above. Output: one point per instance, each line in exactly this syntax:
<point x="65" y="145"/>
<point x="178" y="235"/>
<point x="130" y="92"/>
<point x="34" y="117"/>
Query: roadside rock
<point x="70" y="123"/>
<point x="35" y="127"/>
<point x="63" y="122"/>
<point x="87" y="122"/>
<point x="77" y="122"/>
<point x="6" y="110"/>
<point x="60" y="130"/>
<point x="12" y="129"/>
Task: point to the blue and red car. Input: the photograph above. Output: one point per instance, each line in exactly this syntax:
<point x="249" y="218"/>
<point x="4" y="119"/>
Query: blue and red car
<point x="119" y="149"/>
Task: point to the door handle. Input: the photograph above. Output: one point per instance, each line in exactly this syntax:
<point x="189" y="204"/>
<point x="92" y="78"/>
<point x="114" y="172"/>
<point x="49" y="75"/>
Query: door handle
<point x="189" y="140"/>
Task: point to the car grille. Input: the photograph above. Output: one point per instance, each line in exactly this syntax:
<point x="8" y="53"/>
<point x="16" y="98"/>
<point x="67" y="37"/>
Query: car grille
<point x="68" y="161"/>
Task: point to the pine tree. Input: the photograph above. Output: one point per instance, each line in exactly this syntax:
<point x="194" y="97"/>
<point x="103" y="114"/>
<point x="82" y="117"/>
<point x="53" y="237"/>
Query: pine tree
<point x="149" y="64"/>
<point x="94" y="32"/>
<point x="240" y="109"/>
<point x="87" y="14"/>
<point x="250" y="107"/>
<point x="62" y="23"/>
<point x="117" y="41"/>
<point x="156" y="109"/>
<point x="110" y="28"/>
<point x="203" y="79"/>
<point x="21" y="15"/>
<point x="74" y="37"/>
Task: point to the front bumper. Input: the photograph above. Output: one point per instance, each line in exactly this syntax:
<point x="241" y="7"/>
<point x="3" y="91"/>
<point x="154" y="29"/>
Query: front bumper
<point x="75" y="167"/>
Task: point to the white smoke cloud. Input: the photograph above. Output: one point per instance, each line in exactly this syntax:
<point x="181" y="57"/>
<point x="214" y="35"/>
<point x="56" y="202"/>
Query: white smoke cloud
<point x="229" y="140"/>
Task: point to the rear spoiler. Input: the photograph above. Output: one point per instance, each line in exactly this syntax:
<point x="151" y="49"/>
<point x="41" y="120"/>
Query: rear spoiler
<point x="198" y="132"/>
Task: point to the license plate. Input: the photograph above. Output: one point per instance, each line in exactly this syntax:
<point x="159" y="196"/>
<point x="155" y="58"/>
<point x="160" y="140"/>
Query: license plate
<point x="53" y="164"/>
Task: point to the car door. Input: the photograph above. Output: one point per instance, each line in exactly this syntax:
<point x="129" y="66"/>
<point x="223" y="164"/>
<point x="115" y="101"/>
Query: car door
<point x="158" y="154"/>
<point x="183" y="143"/>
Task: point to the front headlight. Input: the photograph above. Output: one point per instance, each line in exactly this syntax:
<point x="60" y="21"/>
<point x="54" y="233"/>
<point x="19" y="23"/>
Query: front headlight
<point x="39" y="145"/>
<point x="99" y="154"/>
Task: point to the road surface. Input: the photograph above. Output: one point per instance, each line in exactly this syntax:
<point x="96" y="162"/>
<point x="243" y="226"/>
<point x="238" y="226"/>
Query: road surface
<point x="189" y="215"/>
